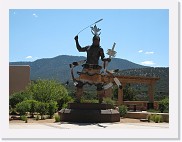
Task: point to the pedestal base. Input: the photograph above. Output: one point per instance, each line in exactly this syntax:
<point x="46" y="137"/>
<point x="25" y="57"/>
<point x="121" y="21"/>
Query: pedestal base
<point x="89" y="113"/>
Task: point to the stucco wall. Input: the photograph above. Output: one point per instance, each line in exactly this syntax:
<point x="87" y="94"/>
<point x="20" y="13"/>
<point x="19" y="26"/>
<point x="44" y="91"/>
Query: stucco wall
<point x="19" y="78"/>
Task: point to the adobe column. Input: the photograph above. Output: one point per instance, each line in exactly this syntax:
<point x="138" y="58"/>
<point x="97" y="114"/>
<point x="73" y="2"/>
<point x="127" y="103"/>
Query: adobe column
<point x="120" y="95"/>
<point x="151" y="90"/>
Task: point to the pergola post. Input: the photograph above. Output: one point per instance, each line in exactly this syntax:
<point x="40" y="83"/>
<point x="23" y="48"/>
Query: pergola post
<point x="120" y="95"/>
<point x="151" y="90"/>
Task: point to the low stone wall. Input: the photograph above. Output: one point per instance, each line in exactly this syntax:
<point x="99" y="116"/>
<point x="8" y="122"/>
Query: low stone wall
<point x="140" y="105"/>
<point x="143" y="115"/>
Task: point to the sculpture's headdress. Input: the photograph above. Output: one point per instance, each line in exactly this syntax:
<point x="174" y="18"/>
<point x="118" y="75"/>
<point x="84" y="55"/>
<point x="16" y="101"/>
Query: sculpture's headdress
<point x="96" y="32"/>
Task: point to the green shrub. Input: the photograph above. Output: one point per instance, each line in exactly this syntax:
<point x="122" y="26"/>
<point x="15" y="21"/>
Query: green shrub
<point x="52" y="108"/>
<point x="164" y="105"/>
<point x="62" y="103"/>
<point x="27" y="106"/>
<point x="153" y="117"/>
<point x="23" y="118"/>
<point x="122" y="110"/>
<point x="42" y="109"/>
<point x="65" y="105"/>
<point x="19" y="97"/>
<point x="108" y="100"/>
<point x="12" y="111"/>
<point x="23" y="107"/>
<point x="89" y="101"/>
<point x="33" y="106"/>
<point x="149" y="117"/>
<point x="157" y="118"/>
<point x="153" y="110"/>
<point x="47" y="90"/>
<point x="57" y="118"/>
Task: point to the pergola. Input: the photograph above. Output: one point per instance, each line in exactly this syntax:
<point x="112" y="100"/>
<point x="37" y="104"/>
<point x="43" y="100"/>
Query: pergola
<point x="150" y="81"/>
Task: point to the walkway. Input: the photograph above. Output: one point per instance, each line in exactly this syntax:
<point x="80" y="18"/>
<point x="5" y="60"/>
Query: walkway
<point x="117" y="125"/>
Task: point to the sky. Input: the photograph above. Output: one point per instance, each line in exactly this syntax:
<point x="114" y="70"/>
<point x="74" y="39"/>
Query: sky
<point x="141" y="35"/>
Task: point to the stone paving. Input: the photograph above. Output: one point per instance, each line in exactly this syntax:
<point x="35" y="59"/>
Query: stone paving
<point x="65" y="125"/>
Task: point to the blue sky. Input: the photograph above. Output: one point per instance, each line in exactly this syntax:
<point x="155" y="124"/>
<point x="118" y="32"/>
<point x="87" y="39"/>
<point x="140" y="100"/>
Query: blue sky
<point x="141" y="36"/>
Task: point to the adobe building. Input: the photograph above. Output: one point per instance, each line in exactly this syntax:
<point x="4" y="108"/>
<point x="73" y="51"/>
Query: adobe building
<point x="19" y="78"/>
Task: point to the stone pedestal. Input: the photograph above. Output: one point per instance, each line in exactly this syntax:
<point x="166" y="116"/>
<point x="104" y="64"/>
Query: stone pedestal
<point x="89" y="113"/>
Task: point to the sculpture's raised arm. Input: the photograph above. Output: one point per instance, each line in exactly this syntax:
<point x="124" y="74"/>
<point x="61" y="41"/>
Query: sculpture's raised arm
<point x="80" y="49"/>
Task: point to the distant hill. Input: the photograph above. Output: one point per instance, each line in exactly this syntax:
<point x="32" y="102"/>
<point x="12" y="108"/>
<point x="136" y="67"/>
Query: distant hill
<point x="162" y="85"/>
<point x="58" y="67"/>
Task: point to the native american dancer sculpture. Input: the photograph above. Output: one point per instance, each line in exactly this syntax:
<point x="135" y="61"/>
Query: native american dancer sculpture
<point x="91" y="73"/>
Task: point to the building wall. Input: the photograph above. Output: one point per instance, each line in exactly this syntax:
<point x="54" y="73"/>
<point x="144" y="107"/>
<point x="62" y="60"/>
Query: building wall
<point x="19" y="78"/>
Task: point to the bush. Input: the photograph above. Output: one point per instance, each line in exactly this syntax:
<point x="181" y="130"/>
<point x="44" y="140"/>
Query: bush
<point x="65" y="105"/>
<point x="42" y="109"/>
<point x="27" y="106"/>
<point x="23" y="118"/>
<point x="47" y="90"/>
<point x="129" y="93"/>
<point x="164" y="105"/>
<point x="122" y="110"/>
<point x="108" y="100"/>
<point x="149" y="117"/>
<point x="157" y="118"/>
<point x="41" y="96"/>
<point x="153" y="117"/>
<point x="23" y="107"/>
<point x="89" y="101"/>
<point x="52" y="108"/>
<point x="64" y="101"/>
<point x="57" y="118"/>
<point x="33" y="106"/>
<point x="153" y="110"/>
<point x="19" y="97"/>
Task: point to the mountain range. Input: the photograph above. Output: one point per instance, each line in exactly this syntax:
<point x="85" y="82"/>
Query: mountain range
<point x="57" y="68"/>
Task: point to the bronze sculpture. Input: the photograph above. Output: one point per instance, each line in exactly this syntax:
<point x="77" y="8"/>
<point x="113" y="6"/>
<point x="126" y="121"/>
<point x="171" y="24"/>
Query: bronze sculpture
<point x="91" y="69"/>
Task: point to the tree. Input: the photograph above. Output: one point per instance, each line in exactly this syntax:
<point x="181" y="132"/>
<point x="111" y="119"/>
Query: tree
<point x="40" y="96"/>
<point x="129" y="93"/>
<point x="33" y="106"/>
<point x="42" y="108"/>
<point x="115" y="92"/>
<point x="23" y="107"/>
<point x="19" y="97"/>
<point x="47" y="90"/>
<point x="52" y="108"/>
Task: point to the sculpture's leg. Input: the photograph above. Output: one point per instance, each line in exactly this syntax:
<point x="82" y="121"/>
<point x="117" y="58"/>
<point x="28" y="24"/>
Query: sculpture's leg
<point x="79" y="92"/>
<point x="100" y="93"/>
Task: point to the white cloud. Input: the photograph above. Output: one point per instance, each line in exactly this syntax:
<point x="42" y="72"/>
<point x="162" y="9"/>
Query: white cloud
<point x="140" y="51"/>
<point x="151" y="52"/>
<point x="35" y="15"/>
<point x="29" y="57"/>
<point x="147" y="63"/>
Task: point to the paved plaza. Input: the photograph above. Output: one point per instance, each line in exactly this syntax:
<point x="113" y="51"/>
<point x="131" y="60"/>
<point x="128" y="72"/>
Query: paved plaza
<point x="65" y="125"/>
